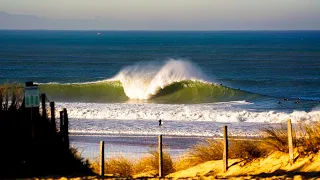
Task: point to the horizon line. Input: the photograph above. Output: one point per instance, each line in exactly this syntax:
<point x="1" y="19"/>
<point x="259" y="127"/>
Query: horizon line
<point x="186" y="30"/>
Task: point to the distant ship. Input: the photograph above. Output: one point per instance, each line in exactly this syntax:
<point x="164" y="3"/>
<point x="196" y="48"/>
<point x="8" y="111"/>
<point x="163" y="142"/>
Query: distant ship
<point x="98" y="33"/>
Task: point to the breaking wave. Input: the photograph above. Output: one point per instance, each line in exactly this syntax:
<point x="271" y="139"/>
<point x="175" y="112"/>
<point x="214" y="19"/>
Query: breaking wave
<point x="176" y="81"/>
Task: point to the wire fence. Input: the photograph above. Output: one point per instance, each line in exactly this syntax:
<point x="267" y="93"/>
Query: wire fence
<point x="134" y="146"/>
<point x="129" y="147"/>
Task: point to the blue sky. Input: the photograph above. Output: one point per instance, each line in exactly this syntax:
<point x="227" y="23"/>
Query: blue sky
<point x="172" y="14"/>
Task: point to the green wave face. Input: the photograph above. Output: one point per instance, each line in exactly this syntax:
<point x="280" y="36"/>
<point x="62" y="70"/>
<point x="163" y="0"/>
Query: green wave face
<point x="199" y="92"/>
<point x="92" y="92"/>
<point x="112" y="91"/>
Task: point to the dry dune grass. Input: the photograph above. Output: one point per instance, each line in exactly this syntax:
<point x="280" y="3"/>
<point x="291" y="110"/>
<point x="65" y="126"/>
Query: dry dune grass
<point x="151" y="163"/>
<point x="212" y="149"/>
<point x="306" y="138"/>
<point x="10" y="96"/>
<point x="119" y="166"/>
<point x="309" y="139"/>
<point x="124" y="167"/>
<point x="246" y="149"/>
<point x="207" y="150"/>
<point x="276" y="138"/>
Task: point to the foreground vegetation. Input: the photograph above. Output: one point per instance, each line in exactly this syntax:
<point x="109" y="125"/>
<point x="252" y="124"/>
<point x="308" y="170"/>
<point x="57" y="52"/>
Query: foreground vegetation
<point x="32" y="147"/>
<point x="149" y="165"/>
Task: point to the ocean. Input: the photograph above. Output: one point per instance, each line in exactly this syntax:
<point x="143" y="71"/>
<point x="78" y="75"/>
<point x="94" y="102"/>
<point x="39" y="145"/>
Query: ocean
<point x="123" y="82"/>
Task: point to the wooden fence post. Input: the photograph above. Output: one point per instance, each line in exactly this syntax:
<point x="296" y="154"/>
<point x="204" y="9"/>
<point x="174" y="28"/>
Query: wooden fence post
<point x="43" y="105"/>
<point x="61" y="124"/>
<point x="53" y="116"/>
<point x="102" y="158"/>
<point x="225" y="148"/>
<point x="65" y="128"/>
<point x="290" y="142"/>
<point x="160" y="156"/>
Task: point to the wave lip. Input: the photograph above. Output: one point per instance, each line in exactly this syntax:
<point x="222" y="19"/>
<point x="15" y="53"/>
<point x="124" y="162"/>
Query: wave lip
<point x="143" y="82"/>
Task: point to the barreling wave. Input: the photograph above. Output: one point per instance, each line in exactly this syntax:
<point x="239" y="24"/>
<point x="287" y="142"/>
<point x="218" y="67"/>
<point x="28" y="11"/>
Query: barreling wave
<point x="176" y="81"/>
<point x="186" y="91"/>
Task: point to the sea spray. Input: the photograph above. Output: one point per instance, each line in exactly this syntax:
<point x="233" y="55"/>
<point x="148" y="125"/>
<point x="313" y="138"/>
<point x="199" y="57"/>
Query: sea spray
<point x="144" y="81"/>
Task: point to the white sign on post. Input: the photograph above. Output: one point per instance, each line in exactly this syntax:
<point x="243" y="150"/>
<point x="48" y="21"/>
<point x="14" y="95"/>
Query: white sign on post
<point x="31" y="95"/>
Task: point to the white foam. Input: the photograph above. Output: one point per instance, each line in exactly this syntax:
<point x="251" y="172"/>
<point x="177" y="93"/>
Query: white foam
<point x="217" y="112"/>
<point x="151" y="128"/>
<point x="143" y="81"/>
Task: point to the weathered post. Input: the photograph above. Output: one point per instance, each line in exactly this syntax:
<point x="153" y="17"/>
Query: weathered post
<point x="43" y="105"/>
<point x="160" y="156"/>
<point x="225" y="148"/>
<point x="102" y="158"/>
<point x="65" y="127"/>
<point x="290" y="142"/>
<point x="53" y="116"/>
<point x="61" y="124"/>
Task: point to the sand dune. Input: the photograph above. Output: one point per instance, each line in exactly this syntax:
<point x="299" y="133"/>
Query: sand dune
<point x="276" y="165"/>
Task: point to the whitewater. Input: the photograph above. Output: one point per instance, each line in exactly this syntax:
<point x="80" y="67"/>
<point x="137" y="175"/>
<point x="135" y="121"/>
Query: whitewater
<point x="217" y="112"/>
<point x="143" y="82"/>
